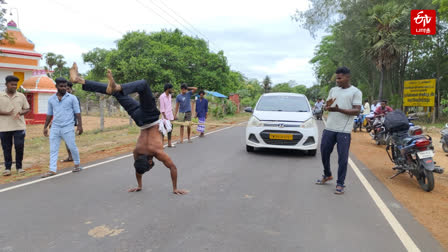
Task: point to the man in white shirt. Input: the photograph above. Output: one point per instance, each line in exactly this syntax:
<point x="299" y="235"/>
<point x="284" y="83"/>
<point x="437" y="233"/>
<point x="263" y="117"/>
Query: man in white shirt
<point x="344" y="103"/>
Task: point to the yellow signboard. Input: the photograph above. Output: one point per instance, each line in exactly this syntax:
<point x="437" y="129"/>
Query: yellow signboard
<point x="419" y="93"/>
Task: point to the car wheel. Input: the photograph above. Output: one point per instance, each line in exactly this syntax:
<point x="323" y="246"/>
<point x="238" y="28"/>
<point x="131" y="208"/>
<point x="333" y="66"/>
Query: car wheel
<point x="250" y="148"/>
<point x="312" y="153"/>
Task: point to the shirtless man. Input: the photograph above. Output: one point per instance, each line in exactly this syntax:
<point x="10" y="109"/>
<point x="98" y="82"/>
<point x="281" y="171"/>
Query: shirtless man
<point x="146" y="116"/>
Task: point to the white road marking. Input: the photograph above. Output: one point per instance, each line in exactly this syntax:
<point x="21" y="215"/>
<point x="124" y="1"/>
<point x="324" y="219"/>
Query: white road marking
<point x="92" y="165"/>
<point x="404" y="237"/>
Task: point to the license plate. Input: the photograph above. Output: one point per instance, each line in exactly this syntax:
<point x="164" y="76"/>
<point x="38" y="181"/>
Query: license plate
<point x="425" y="154"/>
<point x="280" y="136"/>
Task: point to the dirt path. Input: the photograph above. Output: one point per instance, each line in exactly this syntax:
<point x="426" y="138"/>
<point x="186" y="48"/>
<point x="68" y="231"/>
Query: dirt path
<point x="89" y="123"/>
<point x="117" y="138"/>
<point x="430" y="209"/>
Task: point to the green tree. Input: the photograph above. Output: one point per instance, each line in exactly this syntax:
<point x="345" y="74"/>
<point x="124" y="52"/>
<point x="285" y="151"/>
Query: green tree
<point x="170" y="56"/>
<point x="386" y="36"/>
<point x="60" y="62"/>
<point x="282" y="87"/>
<point x="51" y="60"/>
<point x="97" y="59"/>
<point x="267" y="84"/>
<point x="3" y="21"/>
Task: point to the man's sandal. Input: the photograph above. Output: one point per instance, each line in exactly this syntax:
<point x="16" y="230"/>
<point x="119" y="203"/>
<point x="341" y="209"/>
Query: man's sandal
<point x="48" y="174"/>
<point x="77" y="169"/>
<point x="339" y="190"/>
<point x="323" y="180"/>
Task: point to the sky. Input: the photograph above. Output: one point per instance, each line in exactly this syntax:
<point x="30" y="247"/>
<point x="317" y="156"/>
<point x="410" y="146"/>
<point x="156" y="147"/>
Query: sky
<point x="259" y="38"/>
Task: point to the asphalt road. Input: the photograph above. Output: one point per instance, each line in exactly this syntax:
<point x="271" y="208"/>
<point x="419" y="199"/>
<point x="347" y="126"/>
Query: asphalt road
<point x="238" y="201"/>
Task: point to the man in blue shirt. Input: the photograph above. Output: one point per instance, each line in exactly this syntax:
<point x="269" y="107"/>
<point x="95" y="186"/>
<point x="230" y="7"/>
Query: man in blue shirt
<point x="61" y="107"/>
<point x="183" y="107"/>
<point x="201" y="112"/>
<point x="71" y="91"/>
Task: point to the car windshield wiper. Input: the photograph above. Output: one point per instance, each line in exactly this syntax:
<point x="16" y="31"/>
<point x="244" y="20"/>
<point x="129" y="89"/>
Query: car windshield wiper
<point x="302" y="111"/>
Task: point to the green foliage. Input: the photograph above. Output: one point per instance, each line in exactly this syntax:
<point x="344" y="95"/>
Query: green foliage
<point x="165" y="56"/>
<point x="3" y="21"/>
<point x="51" y="60"/>
<point x="372" y="38"/>
<point x="444" y="102"/>
<point x="220" y="108"/>
<point x="267" y="84"/>
<point x="442" y="11"/>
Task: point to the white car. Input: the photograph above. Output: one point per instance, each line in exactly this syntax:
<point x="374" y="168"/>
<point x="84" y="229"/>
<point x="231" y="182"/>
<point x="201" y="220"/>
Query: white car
<point x="282" y="121"/>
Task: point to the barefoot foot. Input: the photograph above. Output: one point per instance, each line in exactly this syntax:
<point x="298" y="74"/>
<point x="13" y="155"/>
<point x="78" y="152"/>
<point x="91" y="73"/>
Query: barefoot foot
<point x="111" y="85"/>
<point x="74" y="75"/>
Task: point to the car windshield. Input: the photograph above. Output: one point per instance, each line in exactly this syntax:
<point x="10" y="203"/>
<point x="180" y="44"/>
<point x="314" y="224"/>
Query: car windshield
<point x="286" y="103"/>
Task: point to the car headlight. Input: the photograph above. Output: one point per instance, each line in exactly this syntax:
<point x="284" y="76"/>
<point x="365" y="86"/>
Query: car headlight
<point x="308" y="123"/>
<point x="254" y="122"/>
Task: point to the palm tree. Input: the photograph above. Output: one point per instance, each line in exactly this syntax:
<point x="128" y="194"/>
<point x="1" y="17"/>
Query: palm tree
<point x="386" y="35"/>
<point x="60" y="63"/>
<point x="50" y="59"/>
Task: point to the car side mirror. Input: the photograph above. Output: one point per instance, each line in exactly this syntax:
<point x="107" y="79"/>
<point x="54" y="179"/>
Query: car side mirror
<point x="248" y="110"/>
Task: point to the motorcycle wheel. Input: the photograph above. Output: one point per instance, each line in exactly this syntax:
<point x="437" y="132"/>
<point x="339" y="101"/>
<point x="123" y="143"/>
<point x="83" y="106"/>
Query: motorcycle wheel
<point x="426" y="180"/>
<point x="445" y="147"/>
<point x="368" y="128"/>
<point x="355" y="127"/>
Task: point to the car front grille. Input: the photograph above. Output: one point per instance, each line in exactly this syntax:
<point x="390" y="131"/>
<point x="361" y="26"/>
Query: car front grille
<point x="296" y="137"/>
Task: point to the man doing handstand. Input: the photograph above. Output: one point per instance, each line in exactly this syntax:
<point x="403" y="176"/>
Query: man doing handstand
<point x="146" y="116"/>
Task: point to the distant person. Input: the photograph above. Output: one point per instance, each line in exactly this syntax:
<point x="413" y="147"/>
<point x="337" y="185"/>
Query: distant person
<point x="71" y="91"/>
<point x="13" y="107"/>
<point x="319" y="104"/>
<point x="344" y="103"/>
<point x="166" y="109"/>
<point x="145" y="114"/>
<point x="366" y="107"/>
<point x="201" y="112"/>
<point x="61" y="107"/>
<point x="373" y="106"/>
<point x="183" y="109"/>
<point x="383" y="109"/>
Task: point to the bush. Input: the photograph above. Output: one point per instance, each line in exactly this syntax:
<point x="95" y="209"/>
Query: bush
<point x="222" y="107"/>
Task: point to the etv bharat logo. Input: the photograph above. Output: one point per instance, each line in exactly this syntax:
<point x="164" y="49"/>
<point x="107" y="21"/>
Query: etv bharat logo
<point x="423" y="22"/>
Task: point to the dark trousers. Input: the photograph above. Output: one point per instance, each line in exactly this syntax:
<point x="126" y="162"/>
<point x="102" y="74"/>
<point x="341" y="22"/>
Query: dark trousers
<point x="8" y="138"/>
<point x="169" y="133"/>
<point x="329" y="139"/>
<point x="142" y="113"/>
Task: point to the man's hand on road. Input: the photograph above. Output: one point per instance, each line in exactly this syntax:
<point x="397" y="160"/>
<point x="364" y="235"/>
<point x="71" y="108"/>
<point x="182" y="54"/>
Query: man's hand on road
<point x="17" y="116"/>
<point x="180" y="192"/>
<point x="46" y="132"/>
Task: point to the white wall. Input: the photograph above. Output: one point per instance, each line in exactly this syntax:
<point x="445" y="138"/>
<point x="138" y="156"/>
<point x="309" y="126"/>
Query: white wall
<point x="43" y="103"/>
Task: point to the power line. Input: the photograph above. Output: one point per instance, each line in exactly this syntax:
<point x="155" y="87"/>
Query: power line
<point x="188" y="23"/>
<point x="147" y="7"/>
<point x="173" y="18"/>
<point x="175" y="13"/>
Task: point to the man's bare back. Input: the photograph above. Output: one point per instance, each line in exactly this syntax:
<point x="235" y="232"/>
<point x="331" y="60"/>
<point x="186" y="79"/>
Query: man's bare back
<point x="149" y="144"/>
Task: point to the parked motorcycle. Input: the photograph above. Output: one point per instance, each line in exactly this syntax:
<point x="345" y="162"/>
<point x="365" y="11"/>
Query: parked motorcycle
<point x="378" y="132"/>
<point x="358" y="121"/>
<point x="369" y="123"/>
<point x="444" y="138"/>
<point x="410" y="150"/>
